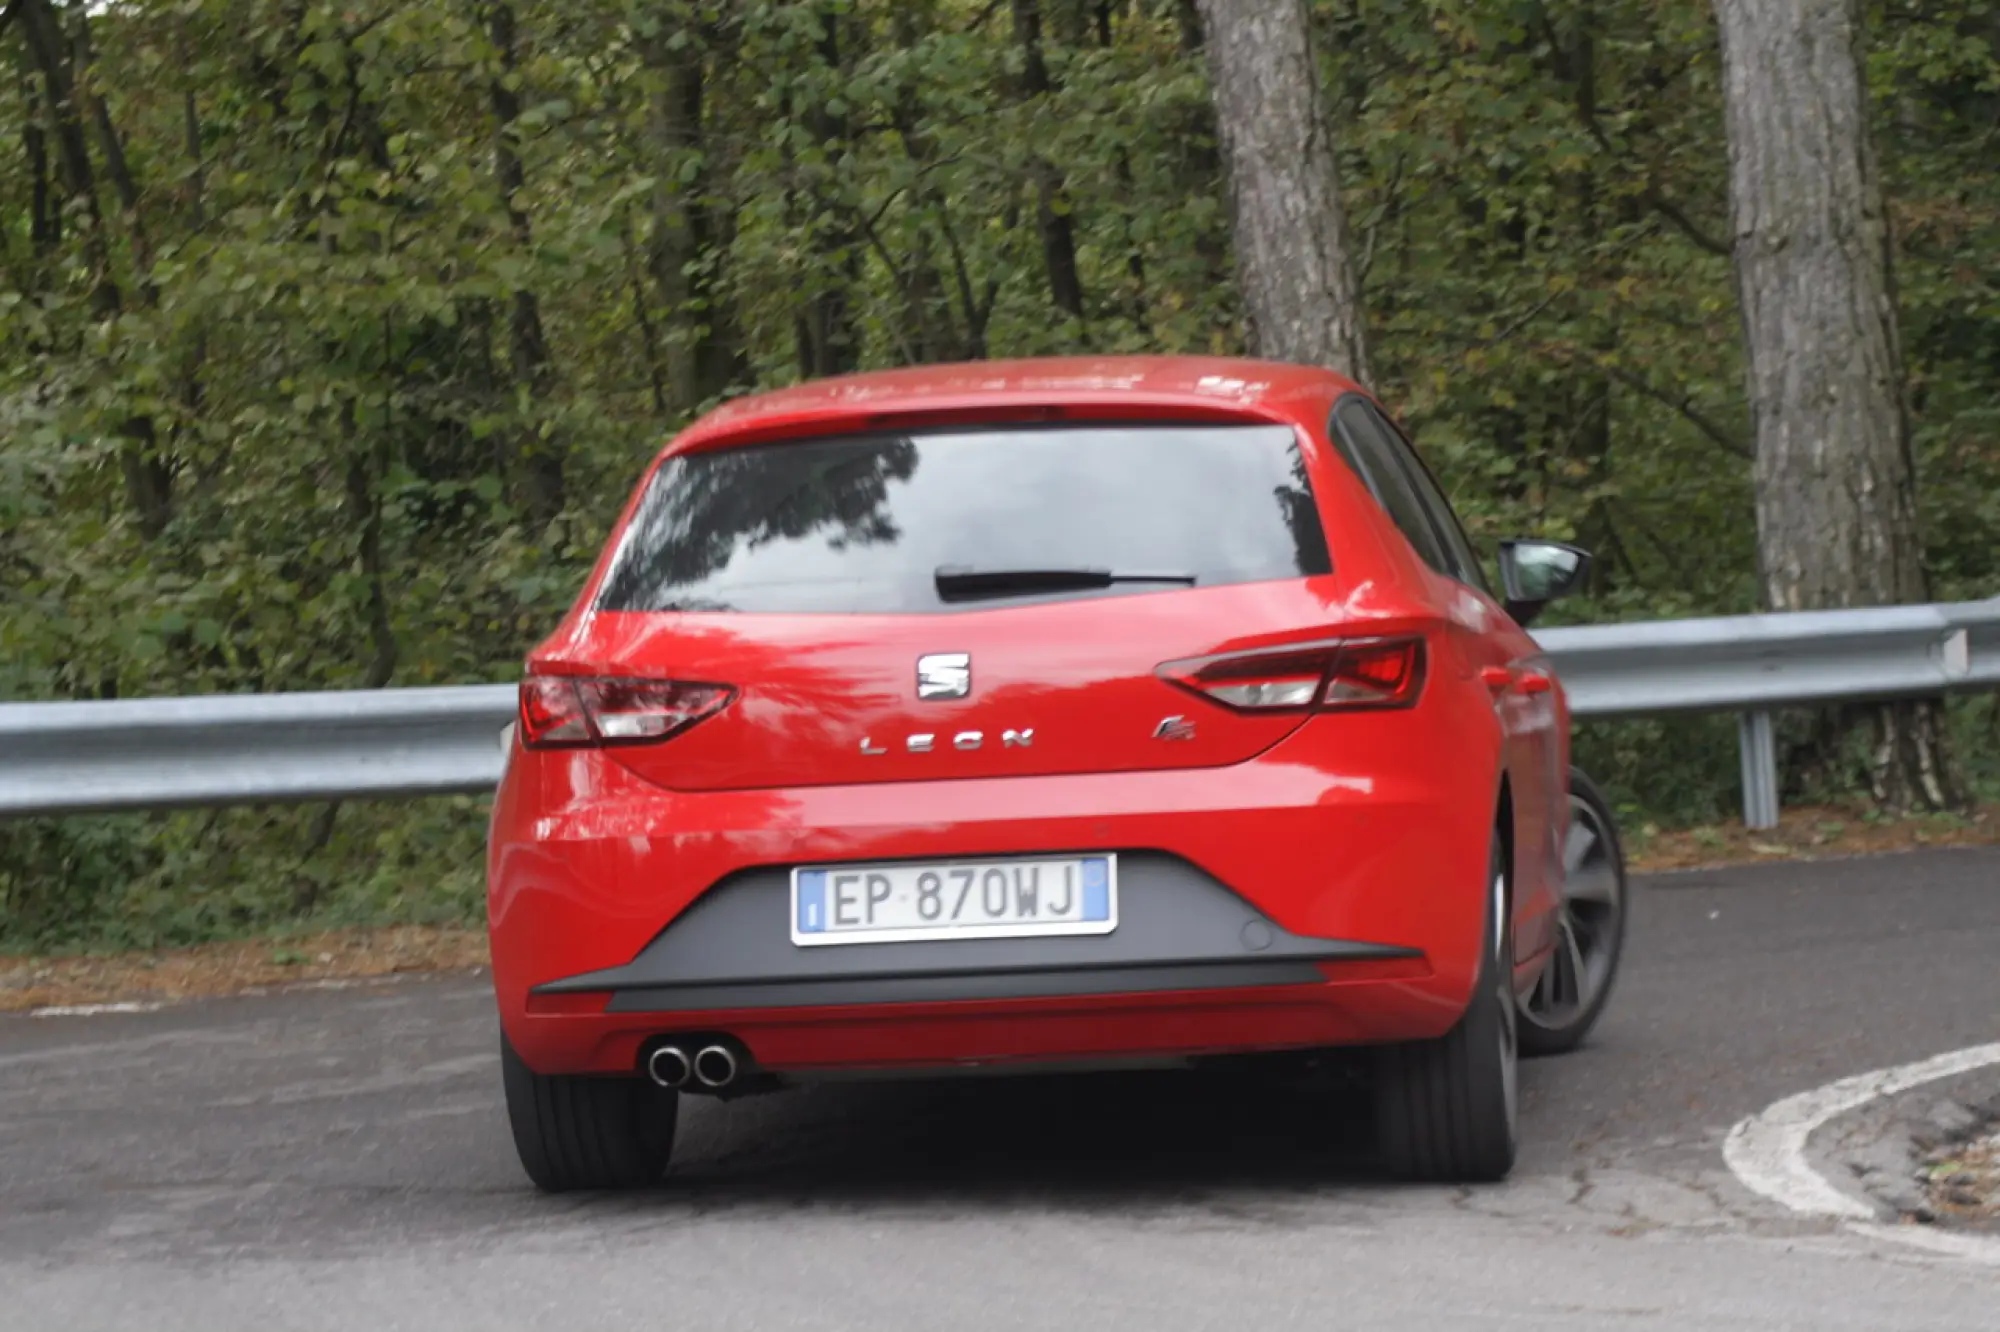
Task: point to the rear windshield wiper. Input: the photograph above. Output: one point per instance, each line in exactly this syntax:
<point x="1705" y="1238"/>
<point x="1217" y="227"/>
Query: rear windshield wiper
<point x="958" y="583"/>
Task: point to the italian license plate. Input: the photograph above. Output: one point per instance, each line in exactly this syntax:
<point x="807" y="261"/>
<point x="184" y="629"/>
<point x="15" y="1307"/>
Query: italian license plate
<point x="954" y="899"/>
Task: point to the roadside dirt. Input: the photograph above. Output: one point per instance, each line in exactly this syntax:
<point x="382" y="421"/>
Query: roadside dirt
<point x="29" y="983"/>
<point x="1810" y="832"/>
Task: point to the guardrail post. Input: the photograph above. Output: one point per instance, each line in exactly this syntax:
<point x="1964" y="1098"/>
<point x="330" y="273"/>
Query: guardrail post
<point x="1760" y="770"/>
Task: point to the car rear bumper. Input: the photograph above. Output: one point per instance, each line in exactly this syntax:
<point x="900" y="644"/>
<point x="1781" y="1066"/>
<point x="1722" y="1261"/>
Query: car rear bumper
<point x="1379" y="1002"/>
<point x="1268" y="905"/>
<point x="1180" y="930"/>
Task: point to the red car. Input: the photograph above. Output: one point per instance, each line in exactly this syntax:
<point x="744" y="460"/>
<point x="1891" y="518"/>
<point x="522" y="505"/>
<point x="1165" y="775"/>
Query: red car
<point x="1046" y="714"/>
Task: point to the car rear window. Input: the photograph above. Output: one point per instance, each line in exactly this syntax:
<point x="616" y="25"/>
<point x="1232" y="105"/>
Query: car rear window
<point x="863" y="523"/>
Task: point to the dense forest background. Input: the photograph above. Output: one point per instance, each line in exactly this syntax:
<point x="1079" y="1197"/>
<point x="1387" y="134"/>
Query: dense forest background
<point x="333" y="334"/>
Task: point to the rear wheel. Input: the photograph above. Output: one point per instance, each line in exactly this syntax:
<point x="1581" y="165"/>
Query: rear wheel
<point x="587" y="1132"/>
<point x="1568" y="998"/>
<point x="1446" y="1109"/>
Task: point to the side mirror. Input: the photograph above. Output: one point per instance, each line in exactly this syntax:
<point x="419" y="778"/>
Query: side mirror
<point x="1534" y="573"/>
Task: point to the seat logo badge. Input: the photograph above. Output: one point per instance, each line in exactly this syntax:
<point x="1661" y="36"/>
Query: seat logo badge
<point x="944" y="675"/>
<point x="1175" y="727"/>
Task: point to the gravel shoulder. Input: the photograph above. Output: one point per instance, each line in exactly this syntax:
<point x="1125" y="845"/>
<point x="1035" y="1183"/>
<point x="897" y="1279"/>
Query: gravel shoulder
<point x="246" y="966"/>
<point x="1963" y="1184"/>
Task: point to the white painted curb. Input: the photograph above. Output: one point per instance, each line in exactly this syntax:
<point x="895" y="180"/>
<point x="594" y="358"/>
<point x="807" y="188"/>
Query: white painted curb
<point x="1767" y="1151"/>
<point x="93" y="1010"/>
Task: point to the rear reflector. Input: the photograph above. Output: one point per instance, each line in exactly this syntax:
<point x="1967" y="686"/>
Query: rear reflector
<point x="1357" y="673"/>
<point x="562" y="713"/>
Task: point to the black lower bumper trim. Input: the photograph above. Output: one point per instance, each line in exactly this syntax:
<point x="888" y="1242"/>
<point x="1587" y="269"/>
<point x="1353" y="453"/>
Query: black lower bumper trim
<point x="1178" y="929"/>
<point x="965" y="986"/>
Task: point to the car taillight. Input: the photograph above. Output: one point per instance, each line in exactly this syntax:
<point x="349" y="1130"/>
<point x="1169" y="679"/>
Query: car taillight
<point x="1385" y="673"/>
<point x="558" y="712"/>
<point x="1356" y="673"/>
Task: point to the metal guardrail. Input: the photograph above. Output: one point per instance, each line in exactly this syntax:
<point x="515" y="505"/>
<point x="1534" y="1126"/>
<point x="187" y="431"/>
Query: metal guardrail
<point x="68" y="758"/>
<point x="1751" y="664"/>
<point x="227" y="749"/>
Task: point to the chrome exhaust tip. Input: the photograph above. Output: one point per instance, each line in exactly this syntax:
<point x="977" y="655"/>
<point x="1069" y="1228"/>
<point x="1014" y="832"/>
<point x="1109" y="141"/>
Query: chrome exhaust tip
<point x="669" y="1067"/>
<point x="715" y="1067"/>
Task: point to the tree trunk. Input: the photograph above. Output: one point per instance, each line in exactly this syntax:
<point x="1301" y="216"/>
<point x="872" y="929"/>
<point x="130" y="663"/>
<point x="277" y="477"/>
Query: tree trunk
<point x="704" y="357"/>
<point x="208" y="463"/>
<point x="1198" y="163"/>
<point x="1052" y="201"/>
<point x="932" y="334"/>
<point x="1834" y="477"/>
<point x="1135" y="253"/>
<point x="828" y="341"/>
<point x="540" y="466"/>
<point x="364" y="505"/>
<point x="1293" y="267"/>
<point x="113" y="147"/>
<point x="642" y="318"/>
<point x="44" y="216"/>
<point x="149" y="477"/>
<point x="1187" y="16"/>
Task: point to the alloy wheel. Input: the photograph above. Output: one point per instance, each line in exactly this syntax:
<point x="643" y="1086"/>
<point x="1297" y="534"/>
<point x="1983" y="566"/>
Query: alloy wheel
<point x="1587" y="927"/>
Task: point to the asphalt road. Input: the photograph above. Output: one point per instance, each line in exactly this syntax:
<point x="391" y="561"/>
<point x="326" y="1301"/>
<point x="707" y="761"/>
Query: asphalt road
<point x="341" y="1160"/>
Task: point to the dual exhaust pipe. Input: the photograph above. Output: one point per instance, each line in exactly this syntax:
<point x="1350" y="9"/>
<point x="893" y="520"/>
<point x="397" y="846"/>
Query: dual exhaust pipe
<point x="713" y="1067"/>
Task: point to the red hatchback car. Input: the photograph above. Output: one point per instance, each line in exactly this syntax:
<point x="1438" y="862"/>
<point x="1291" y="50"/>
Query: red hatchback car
<point x="1046" y="714"/>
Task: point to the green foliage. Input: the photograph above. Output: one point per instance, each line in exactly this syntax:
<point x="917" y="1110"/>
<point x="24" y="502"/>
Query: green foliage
<point x="159" y="881"/>
<point x="1975" y="731"/>
<point x="385" y="305"/>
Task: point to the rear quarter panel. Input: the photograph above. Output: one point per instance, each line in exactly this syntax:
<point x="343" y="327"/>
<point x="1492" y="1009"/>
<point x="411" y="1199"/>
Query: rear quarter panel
<point x="1521" y="741"/>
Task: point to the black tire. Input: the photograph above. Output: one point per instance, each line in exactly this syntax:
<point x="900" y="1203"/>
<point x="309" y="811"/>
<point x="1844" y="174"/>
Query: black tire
<point x="1446" y="1110"/>
<point x="588" y="1132"/>
<point x="1558" y="1012"/>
